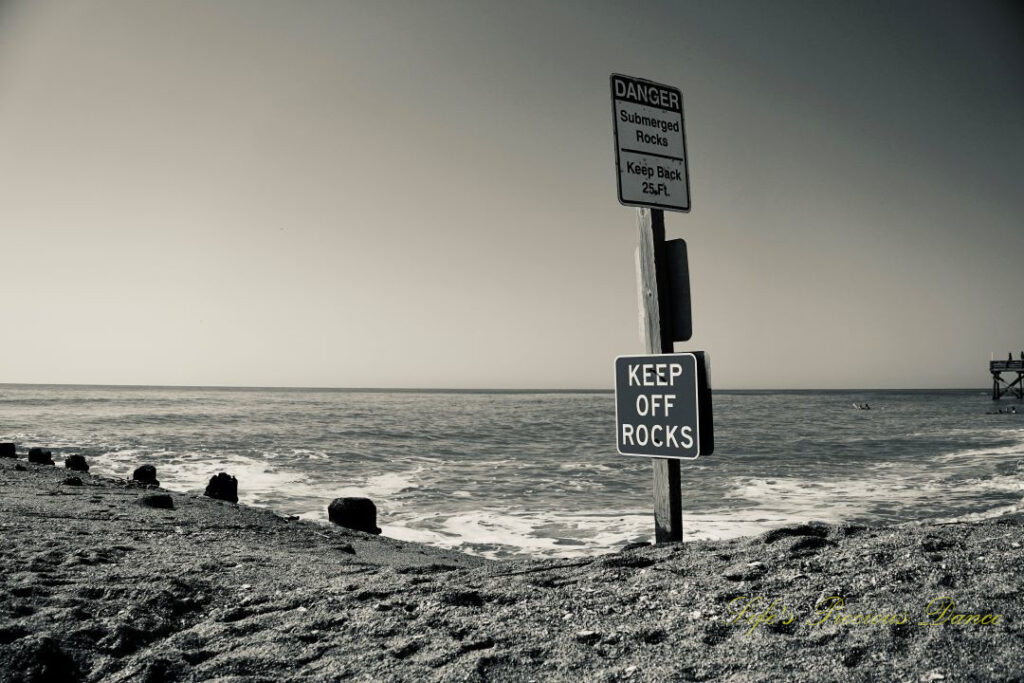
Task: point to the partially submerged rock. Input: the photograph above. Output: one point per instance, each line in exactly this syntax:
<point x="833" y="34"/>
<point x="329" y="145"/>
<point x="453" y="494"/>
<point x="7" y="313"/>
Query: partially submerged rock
<point x="76" y="463"/>
<point x="354" y="513"/>
<point x="145" y="474"/>
<point x="7" y="450"/>
<point x="40" y="457"/>
<point x="223" y="487"/>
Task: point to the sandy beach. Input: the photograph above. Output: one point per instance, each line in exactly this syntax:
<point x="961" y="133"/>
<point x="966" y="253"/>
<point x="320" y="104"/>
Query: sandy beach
<point x="100" y="587"/>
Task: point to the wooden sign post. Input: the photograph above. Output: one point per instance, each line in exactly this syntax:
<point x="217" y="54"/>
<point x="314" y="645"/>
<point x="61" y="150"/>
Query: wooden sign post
<point x="656" y="326"/>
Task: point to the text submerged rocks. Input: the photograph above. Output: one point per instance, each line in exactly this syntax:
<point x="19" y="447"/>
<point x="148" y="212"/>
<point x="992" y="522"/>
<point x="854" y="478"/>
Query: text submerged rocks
<point x="355" y="513"/>
<point x="223" y="487"/>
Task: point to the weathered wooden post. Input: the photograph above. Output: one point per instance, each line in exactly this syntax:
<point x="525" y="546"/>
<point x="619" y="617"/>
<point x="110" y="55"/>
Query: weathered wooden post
<point x="656" y="325"/>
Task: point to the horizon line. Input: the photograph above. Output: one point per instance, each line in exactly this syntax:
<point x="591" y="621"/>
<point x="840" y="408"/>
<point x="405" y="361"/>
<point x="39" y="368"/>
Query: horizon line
<point x="451" y="389"/>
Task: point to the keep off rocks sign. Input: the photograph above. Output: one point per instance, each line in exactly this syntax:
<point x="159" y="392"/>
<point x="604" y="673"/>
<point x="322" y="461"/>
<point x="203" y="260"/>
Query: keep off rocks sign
<point x="658" y="402"/>
<point x="650" y="144"/>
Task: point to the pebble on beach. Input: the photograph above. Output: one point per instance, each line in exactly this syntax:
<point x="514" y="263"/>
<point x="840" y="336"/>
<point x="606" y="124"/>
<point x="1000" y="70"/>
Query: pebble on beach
<point x="223" y="487"/>
<point x="7" y="450"/>
<point x="354" y="513"/>
<point x="157" y="500"/>
<point x="145" y="474"/>
<point x="40" y="457"/>
<point x="76" y="463"/>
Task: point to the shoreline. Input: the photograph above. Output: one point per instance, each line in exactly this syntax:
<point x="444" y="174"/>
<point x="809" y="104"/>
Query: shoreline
<point x="99" y="587"/>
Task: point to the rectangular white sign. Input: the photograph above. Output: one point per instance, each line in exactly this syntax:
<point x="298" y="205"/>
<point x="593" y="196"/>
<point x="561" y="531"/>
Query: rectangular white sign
<point x="650" y="144"/>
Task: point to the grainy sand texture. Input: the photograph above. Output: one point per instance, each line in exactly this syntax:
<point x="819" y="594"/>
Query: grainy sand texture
<point x="98" y="586"/>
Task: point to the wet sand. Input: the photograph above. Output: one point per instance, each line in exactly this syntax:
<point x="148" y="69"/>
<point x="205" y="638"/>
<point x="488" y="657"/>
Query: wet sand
<point x="98" y="587"/>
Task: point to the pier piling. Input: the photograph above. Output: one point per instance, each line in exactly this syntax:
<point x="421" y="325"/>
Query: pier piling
<point x="1000" y="387"/>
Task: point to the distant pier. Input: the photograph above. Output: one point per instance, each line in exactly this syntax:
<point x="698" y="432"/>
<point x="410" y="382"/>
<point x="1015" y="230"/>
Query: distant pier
<point x="1000" y="387"/>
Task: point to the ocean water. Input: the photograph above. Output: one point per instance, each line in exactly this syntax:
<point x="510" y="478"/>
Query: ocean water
<point x="505" y="474"/>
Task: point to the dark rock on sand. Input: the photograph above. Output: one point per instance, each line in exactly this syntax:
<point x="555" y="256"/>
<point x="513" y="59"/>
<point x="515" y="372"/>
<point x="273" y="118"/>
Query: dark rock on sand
<point x="354" y="513"/>
<point x="145" y="474"/>
<point x="19" y="467"/>
<point x="76" y="463"/>
<point x="40" y="457"/>
<point x="157" y="500"/>
<point x="223" y="487"/>
<point x="73" y="481"/>
<point x="7" y="450"/>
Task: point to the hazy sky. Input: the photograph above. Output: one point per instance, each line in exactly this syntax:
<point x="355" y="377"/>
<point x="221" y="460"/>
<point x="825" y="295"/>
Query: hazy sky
<point x="422" y="194"/>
